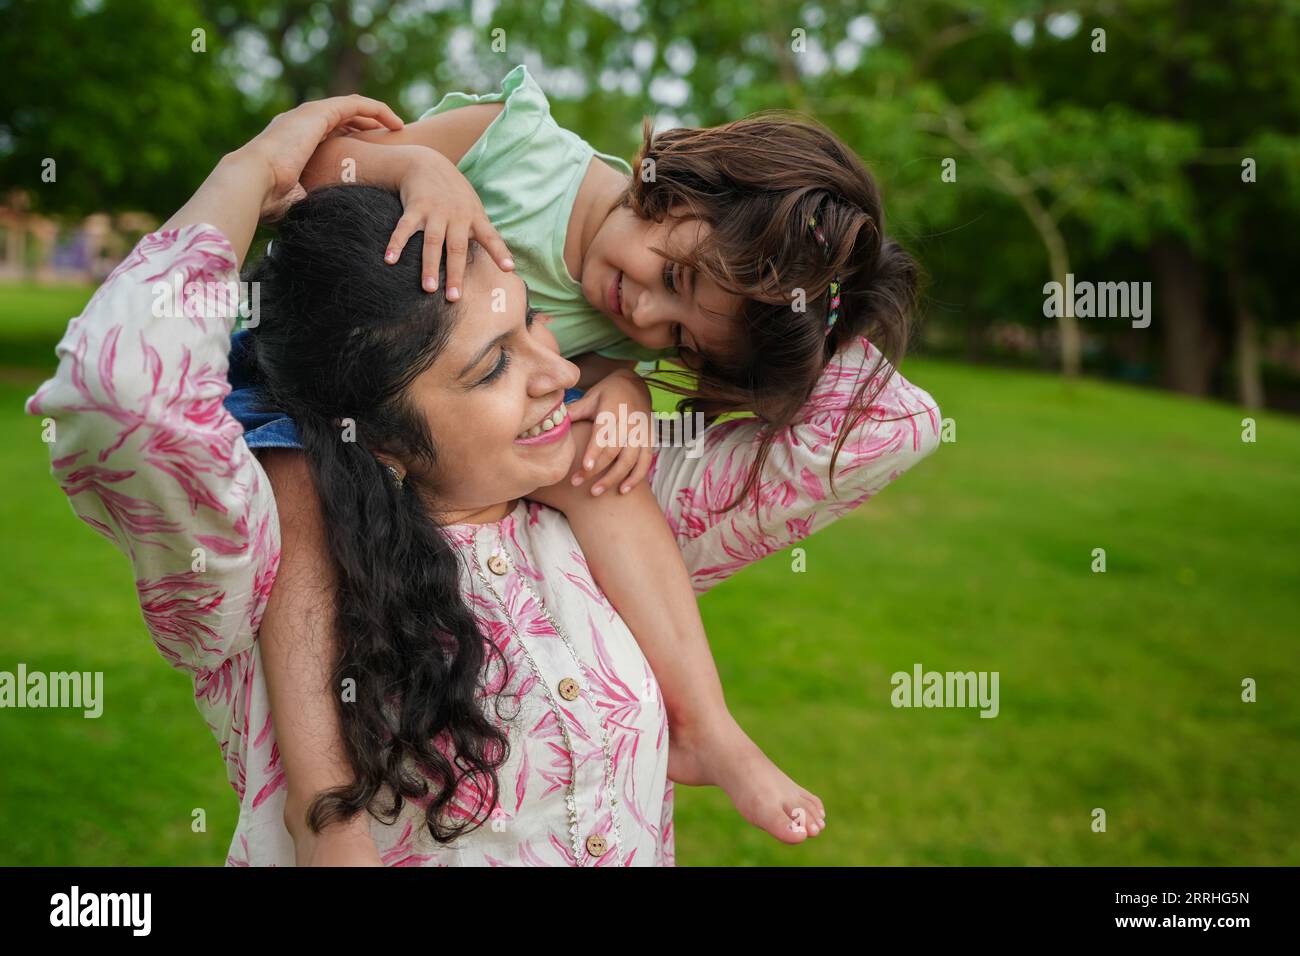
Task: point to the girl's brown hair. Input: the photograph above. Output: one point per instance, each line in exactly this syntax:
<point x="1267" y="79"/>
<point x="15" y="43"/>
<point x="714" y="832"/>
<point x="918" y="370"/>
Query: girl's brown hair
<point x="757" y="182"/>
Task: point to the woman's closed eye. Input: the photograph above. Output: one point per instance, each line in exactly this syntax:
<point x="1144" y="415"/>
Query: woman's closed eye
<point x="503" y="363"/>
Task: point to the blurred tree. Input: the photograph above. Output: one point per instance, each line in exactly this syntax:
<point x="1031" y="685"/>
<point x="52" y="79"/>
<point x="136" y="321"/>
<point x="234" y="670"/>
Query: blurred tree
<point x="117" y="95"/>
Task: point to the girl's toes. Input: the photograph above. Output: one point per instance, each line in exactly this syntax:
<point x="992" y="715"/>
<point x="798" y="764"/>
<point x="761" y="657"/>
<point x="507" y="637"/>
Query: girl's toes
<point x="812" y="807"/>
<point x="794" y="827"/>
<point x="803" y="815"/>
<point x="814" y="824"/>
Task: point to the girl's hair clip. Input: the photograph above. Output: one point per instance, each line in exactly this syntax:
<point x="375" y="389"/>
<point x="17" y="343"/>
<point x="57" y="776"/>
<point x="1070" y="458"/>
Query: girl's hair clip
<point x="833" y="310"/>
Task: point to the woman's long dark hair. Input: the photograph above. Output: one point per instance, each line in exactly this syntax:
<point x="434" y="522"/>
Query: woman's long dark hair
<point x="341" y="336"/>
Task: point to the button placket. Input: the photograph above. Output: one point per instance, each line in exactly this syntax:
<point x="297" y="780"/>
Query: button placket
<point x="597" y="774"/>
<point x="569" y="689"/>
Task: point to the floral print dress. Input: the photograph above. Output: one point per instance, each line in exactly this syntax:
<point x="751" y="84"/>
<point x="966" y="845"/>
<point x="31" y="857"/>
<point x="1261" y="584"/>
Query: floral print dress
<point x="150" y="458"/>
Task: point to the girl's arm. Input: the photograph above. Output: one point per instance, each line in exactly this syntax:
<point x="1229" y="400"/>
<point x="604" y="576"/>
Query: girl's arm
<point x="373" y="162"/>
<point x="795" y="491"/>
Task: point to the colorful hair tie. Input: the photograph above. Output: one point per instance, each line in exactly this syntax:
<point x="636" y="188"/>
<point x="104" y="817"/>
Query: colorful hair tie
<point x="833" y="310"/>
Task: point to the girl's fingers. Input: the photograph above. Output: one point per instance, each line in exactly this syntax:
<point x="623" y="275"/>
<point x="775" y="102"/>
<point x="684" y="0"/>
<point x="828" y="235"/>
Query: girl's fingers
<point x="362" y="123"/>
<point x="348" y="109"/>
<point x="583" y="408"/>
<point x="642" y="468"/>
<point x="496" y="247"/>
<point x="432" y="255"/>
<point x="594" y="460"/>
<point x="406" y="227"/>
<point x="457" y="252"/>
<point x="619" y="470"/>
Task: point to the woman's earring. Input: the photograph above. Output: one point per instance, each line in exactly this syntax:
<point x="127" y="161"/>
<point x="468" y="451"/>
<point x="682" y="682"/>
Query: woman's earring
<point x="397" y="475"/>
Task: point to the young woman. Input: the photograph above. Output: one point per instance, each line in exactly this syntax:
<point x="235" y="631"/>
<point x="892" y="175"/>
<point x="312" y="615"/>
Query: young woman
<point x="500" y="711"/>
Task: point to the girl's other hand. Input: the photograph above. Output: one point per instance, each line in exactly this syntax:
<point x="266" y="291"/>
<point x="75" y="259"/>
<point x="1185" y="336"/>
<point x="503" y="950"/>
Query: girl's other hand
<point x="289" y="140"/>
<point x="625" y="396"/>
<point x="438" y="199"/>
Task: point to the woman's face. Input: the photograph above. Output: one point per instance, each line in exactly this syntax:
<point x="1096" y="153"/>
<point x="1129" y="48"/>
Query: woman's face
<point x="488" y="399"/>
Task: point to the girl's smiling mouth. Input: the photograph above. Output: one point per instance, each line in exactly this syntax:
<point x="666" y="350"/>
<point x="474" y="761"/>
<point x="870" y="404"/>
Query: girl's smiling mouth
<point x="553" y="427"/>
<point x="615" y="295"/>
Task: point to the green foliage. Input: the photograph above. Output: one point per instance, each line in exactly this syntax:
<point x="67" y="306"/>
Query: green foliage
<point x="114" y="95"/>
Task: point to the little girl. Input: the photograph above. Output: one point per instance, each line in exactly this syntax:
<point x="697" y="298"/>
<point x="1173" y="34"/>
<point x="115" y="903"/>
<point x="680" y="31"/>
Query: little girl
<point x="749" y="252"/>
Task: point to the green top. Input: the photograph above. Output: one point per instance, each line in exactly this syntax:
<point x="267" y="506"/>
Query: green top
<point x="527" y="169"/>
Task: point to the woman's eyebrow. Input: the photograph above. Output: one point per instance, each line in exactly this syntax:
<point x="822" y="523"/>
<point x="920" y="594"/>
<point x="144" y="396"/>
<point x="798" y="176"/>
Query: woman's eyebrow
<point x="482" y="353"/>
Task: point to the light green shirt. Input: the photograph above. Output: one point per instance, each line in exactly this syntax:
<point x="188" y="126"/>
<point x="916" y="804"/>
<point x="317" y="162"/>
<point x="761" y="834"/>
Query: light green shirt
<point x="527" y="170"/>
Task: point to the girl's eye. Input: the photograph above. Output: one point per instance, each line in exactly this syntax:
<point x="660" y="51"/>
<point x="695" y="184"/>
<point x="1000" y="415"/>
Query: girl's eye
<point x="669" y="282"/>
<point x="529" y="317"/>
<point x="502" y="364"/>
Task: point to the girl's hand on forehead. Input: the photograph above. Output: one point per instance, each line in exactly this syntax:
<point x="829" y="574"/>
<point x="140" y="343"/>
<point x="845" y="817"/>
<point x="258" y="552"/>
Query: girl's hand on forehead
<point x="624" y="460"/>
<point x="439" y="200"/>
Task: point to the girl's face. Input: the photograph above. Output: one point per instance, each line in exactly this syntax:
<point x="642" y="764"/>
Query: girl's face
<point x="650" y="299"/>
<point x="488" y="399"/>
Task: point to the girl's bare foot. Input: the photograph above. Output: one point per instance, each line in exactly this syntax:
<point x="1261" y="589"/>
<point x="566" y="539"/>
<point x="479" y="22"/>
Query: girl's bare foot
<point x="723" y="755"/>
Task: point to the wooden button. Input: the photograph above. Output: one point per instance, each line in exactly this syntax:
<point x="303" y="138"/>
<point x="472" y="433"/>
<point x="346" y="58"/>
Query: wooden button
<point x="569" y="689"/>
<point x="596" y="845"/>
<point x="498" y="564"/>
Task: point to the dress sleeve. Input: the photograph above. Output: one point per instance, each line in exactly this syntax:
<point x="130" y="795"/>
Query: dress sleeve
<point x="525" y="114"/>
<point x="147" y="454"/>
<point x="795" y="492"/>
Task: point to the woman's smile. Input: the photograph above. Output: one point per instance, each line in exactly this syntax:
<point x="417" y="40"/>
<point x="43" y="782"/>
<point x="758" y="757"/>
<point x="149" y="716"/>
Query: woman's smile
<point x="553" y="426"/>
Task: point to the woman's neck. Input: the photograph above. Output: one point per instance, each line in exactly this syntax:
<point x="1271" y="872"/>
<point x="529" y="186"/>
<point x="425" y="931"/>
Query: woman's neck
<point x="488" y="515"/>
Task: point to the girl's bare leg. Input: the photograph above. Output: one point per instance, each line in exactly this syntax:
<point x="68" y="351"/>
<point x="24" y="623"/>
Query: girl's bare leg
<point x="635" y="559"/>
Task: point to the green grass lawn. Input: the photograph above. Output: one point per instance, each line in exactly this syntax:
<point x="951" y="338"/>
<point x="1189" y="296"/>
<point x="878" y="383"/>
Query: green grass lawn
<point x="1119" y="690"/>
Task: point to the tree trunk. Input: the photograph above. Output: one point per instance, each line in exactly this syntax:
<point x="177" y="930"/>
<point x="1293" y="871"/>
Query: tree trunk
<point x="1189" y="342"/>
<point x="1067" y="326"/>
<point x="349" y="73"/>
<point x="1250" y="384"/>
